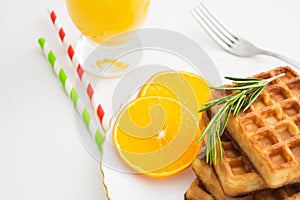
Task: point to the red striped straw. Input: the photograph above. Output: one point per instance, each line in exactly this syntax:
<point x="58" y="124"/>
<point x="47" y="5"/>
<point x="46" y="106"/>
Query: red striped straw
<point x="80" y="71"/>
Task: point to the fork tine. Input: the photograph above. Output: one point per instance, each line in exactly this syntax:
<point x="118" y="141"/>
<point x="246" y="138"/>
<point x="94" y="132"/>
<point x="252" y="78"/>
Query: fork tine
<point x="211" y="32"/>
<point x="206" y="18"/>
<point x="216" y="22"/>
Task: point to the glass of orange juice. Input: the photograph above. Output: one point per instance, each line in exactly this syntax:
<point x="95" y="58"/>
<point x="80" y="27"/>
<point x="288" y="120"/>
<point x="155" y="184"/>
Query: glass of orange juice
<point x="107" y="24"/>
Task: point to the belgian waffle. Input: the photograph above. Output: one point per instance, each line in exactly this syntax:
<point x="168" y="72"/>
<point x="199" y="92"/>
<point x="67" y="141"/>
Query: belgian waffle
<point x="208" y="187"/>
<point x="268" y="132"/>
<point x="235" y="169"/>
<point x="206" y="174"/>
<point x="197" y="191"/>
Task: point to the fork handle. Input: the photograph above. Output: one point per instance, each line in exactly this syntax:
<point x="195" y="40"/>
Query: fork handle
<point x="281" y="57"/>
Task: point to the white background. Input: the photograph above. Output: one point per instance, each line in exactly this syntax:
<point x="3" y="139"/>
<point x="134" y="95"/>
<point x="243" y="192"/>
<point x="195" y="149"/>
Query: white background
<point x="41" y="156"/>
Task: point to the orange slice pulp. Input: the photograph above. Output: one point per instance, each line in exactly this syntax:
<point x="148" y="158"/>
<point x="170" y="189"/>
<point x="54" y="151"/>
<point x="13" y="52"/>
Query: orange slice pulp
<point x="156" y="134"/>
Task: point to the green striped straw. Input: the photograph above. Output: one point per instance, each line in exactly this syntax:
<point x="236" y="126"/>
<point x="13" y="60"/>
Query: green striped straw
<point x="70" y="90"/>
<point x="98" y="135"/>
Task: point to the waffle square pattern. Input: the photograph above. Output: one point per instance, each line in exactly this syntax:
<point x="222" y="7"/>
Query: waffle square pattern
<point x="234" y="169"/>
<point x="269" y="131"/>
<point x="207" y="186"/>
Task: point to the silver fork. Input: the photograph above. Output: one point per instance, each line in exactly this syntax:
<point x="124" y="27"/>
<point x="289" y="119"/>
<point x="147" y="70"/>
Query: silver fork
<point x="228" y="41"/>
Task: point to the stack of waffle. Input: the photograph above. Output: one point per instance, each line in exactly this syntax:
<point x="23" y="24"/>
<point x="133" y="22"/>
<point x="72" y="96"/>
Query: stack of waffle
<point x="261" y="148"/>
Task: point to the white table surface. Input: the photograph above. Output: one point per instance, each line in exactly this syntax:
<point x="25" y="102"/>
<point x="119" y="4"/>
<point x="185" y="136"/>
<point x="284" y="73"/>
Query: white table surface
<point x="40" y="152"/>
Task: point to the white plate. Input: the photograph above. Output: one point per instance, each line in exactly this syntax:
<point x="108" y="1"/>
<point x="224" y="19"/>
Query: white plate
<point x="123" y="183"/>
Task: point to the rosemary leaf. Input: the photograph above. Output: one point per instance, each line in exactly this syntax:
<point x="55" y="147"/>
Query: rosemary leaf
<point x="238" y="87"/>
<point x="240" y="103"/>
<point x="253" y="97"/>
<point x="242" y="79"/>
<point x="225" y="120"/>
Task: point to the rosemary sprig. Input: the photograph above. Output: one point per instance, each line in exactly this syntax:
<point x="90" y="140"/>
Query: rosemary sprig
<point x="247" y="91"/>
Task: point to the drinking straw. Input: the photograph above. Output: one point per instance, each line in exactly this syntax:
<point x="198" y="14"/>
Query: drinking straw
<point x="80" y="71"/>
<point x="78" y="104"/>
<point x="73" y="95"/>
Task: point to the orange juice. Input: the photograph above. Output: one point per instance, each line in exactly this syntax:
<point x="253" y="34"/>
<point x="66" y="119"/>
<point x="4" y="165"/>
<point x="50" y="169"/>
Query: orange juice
<point x="100" y="20"/>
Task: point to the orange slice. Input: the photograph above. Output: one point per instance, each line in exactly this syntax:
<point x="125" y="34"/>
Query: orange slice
<point x="189" y="89"/>
<point x="156" y="136"/>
